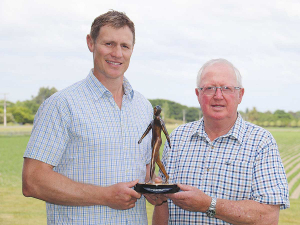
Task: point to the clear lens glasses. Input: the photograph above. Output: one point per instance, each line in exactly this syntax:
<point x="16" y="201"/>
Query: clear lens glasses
<point x="226" y="90"/>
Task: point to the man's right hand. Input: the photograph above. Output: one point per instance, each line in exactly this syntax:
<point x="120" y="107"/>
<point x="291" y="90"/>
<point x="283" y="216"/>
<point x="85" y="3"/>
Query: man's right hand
<point x="121" y="195"/>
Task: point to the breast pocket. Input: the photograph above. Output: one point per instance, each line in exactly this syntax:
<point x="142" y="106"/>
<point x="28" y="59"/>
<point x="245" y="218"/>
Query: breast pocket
<point x="234" y="178"/>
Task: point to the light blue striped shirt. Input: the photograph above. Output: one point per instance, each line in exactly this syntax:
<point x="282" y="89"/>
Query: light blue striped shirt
<point x="243" y="164"/>
<point x="83" y="133"/>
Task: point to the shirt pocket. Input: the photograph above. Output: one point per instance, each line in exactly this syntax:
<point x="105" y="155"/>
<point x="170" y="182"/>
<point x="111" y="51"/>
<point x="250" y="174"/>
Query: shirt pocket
<point x="233" y="178"/>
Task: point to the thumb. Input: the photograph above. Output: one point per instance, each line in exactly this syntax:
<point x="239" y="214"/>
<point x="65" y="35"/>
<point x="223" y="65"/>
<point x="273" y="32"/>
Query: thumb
<point x="158" y="180"/>
<point x="132" y="183"/>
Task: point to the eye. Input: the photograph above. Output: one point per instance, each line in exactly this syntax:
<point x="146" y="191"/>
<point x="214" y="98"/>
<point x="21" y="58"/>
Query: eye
<point x="210" y="88"/>
<point x="108" y="44"/>
<point x="125" y="46"/>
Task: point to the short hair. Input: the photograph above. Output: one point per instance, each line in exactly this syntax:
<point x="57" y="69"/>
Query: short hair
<point x="215" y="61"/>
<point x="114" y="19"/>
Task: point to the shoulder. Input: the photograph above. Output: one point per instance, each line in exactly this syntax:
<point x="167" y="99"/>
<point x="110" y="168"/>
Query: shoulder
<point x="259" y="139"/>
<point x="185" y="130"/>
<point x="256" y="132"/>
<point x="59" y="102"/>
<point x="69" y="92"/>
<point x="142" y="100"/>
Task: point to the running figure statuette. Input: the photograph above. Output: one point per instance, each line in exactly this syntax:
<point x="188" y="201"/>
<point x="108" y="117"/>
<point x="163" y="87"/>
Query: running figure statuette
<point x="157" y="124"/>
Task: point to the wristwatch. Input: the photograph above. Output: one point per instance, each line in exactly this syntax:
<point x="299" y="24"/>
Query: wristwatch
<point x="211" y="212"/>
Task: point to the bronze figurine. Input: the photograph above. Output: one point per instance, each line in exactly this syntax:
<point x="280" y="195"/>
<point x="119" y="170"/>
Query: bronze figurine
<point x="157" y="124"/>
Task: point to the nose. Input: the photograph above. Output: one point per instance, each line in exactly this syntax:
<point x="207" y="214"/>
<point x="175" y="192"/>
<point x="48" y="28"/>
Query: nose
<point x="218" y="93"/>
<point x="117" y="52"/>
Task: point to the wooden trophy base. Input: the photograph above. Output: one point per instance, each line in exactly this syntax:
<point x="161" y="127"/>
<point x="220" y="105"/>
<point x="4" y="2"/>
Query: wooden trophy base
<point x="156" y="188"/>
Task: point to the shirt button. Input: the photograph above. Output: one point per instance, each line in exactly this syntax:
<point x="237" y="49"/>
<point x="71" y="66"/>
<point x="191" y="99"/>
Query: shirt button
<point x="207" y="169"/>
<point x="212" y="147"/>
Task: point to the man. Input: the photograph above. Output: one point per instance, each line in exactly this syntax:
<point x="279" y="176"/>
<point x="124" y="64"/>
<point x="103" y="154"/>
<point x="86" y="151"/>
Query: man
<point x="83" y="157"/>
<point x="228" y="170"/>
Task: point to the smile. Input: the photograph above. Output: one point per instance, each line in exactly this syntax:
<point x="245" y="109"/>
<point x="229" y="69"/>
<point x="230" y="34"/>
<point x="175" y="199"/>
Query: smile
<point x="114" y="63"/>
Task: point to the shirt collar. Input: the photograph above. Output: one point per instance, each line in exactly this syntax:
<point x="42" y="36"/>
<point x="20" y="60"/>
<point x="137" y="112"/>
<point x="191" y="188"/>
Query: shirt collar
<point x="235" y="132"/>
<point x="99" y="90"/>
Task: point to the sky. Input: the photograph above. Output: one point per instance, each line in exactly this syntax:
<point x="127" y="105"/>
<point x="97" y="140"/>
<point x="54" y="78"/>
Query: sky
<point x="43" y="44"/>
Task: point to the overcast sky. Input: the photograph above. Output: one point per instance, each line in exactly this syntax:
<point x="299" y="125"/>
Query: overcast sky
<point x="43" y="45"/>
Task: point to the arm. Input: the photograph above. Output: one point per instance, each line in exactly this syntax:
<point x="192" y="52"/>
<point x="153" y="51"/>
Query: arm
<point x="160" y="215"/>
<point x="40" y="181"/>
<point x="165" y="131"/>
<point x="235" y="212"/>
<point x="146" y="132"/>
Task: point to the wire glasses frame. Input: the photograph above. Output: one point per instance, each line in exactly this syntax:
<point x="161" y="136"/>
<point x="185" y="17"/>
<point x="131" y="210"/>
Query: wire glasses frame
<point x="211" y="90"/>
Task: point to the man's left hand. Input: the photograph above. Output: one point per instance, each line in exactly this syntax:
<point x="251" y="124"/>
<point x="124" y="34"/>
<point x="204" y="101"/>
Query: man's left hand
<point x="190" y="198"/>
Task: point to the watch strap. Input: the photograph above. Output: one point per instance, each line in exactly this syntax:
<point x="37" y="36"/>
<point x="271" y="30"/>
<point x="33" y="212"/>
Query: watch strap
<point x="211" y="212"/>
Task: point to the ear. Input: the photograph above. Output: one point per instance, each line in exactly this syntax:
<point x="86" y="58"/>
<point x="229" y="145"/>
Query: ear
<point x="197" y="92"/>
<point x="90" y="43"/>
<point x="241" y="94"/>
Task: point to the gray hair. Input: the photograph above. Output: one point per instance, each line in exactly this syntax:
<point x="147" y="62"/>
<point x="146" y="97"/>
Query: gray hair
<point x="214" y="61"/>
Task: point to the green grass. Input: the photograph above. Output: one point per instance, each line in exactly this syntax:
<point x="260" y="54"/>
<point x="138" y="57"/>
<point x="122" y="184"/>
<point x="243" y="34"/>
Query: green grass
<point x="15" y="209"/>
<point x="15" y="130"/>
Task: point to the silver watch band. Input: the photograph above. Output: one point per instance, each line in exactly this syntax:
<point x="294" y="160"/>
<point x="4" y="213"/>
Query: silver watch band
<point x="211" y="212"/>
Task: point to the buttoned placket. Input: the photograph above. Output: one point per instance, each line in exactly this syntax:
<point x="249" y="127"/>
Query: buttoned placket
<point x="123" y="122"/>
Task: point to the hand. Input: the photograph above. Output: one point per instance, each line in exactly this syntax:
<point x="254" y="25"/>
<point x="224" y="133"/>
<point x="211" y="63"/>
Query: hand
<point x="190" y="198"/>
<point x="156" y="199"/>
<point x="121" y="195"/>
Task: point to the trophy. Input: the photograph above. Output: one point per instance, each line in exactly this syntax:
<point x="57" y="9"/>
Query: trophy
<point x="157" y="124"/>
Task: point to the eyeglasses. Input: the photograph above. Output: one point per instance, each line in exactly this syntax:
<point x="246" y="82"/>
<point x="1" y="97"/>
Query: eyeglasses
<point x="211" y="90"/>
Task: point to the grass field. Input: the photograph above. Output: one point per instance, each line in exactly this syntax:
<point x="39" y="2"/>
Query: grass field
<point x="18" y="210"/>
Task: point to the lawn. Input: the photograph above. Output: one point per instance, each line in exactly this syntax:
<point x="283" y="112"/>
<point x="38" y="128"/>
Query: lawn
<point x="16" y="209"/>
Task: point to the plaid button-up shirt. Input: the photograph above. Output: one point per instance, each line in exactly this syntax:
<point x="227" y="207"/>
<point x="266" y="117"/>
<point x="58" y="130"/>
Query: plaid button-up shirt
<point x="86" y="137"/>
<point x="243" y="164"/>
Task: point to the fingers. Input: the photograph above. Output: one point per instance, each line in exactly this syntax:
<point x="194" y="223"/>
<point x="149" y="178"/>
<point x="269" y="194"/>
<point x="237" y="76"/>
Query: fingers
<point x="155" y="199"/>
<point x="184" y="187"/>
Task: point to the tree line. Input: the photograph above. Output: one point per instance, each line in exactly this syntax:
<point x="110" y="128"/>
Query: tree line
<point x="23" y="112"/>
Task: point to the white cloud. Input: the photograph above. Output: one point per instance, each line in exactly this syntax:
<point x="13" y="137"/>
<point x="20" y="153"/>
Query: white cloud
<point x="43" y="44"/>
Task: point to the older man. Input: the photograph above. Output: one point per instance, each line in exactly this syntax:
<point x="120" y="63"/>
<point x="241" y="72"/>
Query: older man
<point x="83" y="157"/>
<point x="229" y="170"/>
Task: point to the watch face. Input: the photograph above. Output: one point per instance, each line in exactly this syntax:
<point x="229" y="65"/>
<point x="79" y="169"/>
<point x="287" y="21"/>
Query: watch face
<point x="211" y="213"/>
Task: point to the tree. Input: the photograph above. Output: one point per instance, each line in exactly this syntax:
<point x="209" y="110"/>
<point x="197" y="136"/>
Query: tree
<point x="21" y="114"/>
<point x="30" y="104"/>
<point x="166" y="110"/>
<point x="192" y="114"/>
<point x="293" y="123"/>
<point x="9" y="118"/>
<point x="43" y="94"/>
<point x="253" y="115"/>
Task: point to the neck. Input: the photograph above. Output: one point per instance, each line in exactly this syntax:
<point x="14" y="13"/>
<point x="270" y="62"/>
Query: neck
<point x="115" y="86"/>
<point x="215" y="129"/>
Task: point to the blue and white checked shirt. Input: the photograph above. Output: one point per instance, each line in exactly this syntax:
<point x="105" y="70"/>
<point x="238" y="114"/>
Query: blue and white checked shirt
<point x="82" y="132"/>
<point x="243" y="164"/>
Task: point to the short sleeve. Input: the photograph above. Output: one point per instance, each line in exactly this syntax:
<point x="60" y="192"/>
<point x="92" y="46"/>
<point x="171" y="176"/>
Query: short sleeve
<point x="49" y="136"/>
<point x="269" y="181"/>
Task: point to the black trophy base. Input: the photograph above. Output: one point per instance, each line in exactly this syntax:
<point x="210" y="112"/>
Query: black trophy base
<point x="156" y="188"/>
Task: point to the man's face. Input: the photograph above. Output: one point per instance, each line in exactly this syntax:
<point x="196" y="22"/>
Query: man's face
<point x="111" y="51"/>
<point x="219" y="106"/>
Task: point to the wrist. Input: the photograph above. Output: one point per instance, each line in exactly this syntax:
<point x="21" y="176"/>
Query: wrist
<point x="211" y="212"/>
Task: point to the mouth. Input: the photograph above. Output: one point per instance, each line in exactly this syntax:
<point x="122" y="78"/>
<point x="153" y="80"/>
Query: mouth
<point x="113" y="63"/>
<point x="218" y="106"/>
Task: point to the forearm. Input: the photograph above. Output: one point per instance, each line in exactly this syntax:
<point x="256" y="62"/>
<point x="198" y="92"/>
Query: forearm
<point x="246" y="212"/>
<point x="40" y="181"/>
<point x="161" y="215"/>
